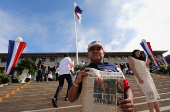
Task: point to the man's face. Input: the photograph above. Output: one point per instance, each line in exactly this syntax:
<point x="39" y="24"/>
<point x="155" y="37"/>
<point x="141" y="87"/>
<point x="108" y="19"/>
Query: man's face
<point x="96" y="54"/>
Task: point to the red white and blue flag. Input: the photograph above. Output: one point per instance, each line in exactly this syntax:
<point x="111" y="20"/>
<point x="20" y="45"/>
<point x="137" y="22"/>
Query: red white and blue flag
<point x="77" y="12"/>
<point x="147" y="48"/>
<point x="72" y="66"/>
<point x="51" y="66"/>
<point x="122" y="64"/>
<point x="164" y="60"/>
<point x="15" y="49"/>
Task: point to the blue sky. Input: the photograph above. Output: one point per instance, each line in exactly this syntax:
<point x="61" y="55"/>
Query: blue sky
<point x="48" y="25"/>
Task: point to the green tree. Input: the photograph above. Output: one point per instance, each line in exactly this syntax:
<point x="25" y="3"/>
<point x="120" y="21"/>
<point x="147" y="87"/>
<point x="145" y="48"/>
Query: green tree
<point x="26" y="64"/>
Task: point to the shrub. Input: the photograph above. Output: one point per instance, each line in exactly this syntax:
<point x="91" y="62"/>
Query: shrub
<point x="162" y="68"/>
<point x="77" y="67"/>
<point x="16" y="79"/>
<point x="151" y="70"/>
<point x="4" y="78"/>
<point x="168" y="69"/>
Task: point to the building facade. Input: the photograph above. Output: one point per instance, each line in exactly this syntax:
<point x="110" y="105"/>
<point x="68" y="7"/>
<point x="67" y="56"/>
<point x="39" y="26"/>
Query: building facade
<point x="51" y="60"/>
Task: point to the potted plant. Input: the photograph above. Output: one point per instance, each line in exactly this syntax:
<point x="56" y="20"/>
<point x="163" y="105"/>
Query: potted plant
<point x="16" y="79"/>
<point x="24" y="66"/>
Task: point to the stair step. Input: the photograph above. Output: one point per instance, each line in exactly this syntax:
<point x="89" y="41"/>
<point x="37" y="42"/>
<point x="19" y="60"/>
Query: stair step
<point x="75" y="108"/>
<point x="38" y="106"/>
<point x="163" y="109"/>
<point x="143" y="98"/>
<point x="144" y="105"/>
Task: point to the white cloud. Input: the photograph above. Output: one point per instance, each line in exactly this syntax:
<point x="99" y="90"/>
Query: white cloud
<point x="151" y="22"/>
<point x="129" y="22"/>
<point x="85" y="36"/>
<point x="12" y="26"/>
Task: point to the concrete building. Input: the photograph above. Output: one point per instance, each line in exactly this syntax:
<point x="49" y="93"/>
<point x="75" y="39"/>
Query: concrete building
<point x="52" y="59"/>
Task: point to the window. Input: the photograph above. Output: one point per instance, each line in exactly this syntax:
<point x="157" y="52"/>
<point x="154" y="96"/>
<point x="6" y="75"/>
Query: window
<point x="126" y="57"/>
<point x="43" y="59"/>
<point x="24" y="58"/>
<point x="52" y="59"/>
<point x="33" y="59"/>
<point x="4" y="60"/>
<point x="106" y="58"/>
<point x="119" y="57"/>
<point x="113" y="57"/>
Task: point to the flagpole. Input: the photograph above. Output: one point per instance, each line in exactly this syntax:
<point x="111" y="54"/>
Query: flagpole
<point x="75" y="37"/>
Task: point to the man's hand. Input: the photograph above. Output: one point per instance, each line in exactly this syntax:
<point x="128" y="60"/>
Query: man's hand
<point x="126" y="105"/>
<point x="81" y="74"/>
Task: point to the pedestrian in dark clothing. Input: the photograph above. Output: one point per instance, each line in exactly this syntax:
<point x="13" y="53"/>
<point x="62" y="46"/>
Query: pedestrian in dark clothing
<point x="40" y="66"/>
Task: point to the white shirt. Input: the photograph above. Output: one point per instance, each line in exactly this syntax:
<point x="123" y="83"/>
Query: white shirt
<point x="50" y="76"/>
<point x="82" y="63"/>
<point x="29" y="76"/>
<point x="57" y="70"/>
<point x="65" y="66"/>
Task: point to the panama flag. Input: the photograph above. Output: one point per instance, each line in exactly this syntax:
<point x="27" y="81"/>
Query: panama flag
<point x="147" y="48"/>
<point x="77" y="12"/>
<point x="72" y="66"/>
<point x="15" y="49"/>
<point x="164" y="60"/>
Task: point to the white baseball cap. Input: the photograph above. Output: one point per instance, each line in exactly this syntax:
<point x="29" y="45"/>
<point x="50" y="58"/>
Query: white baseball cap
<point x="95" y="43"/>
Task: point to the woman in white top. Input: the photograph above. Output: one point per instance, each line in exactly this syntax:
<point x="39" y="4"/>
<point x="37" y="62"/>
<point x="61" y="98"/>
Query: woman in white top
<point x="144" y="80"/>
<point x="50" y="76"/>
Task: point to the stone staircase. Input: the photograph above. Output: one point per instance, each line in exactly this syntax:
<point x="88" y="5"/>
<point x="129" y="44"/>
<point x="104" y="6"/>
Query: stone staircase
<point x="163" y="87"/>
<point x="36" y="97"/>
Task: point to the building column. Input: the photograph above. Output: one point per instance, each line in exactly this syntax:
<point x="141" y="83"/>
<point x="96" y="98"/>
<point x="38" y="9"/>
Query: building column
<point x="46" y="68"/>
<point x="126" y="65"/>
<point x="119" y="65"/>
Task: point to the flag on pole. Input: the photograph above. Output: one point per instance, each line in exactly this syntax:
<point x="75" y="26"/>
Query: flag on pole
<point x="72" y="66"/>
<point x="15" y="49"/>
<point x="77" y="12"/>
<point x="164" y="60"/>
<point x="147" y="48"/>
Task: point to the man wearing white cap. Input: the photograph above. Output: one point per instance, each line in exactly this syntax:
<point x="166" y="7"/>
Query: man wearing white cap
<point x="96" y="55"/>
